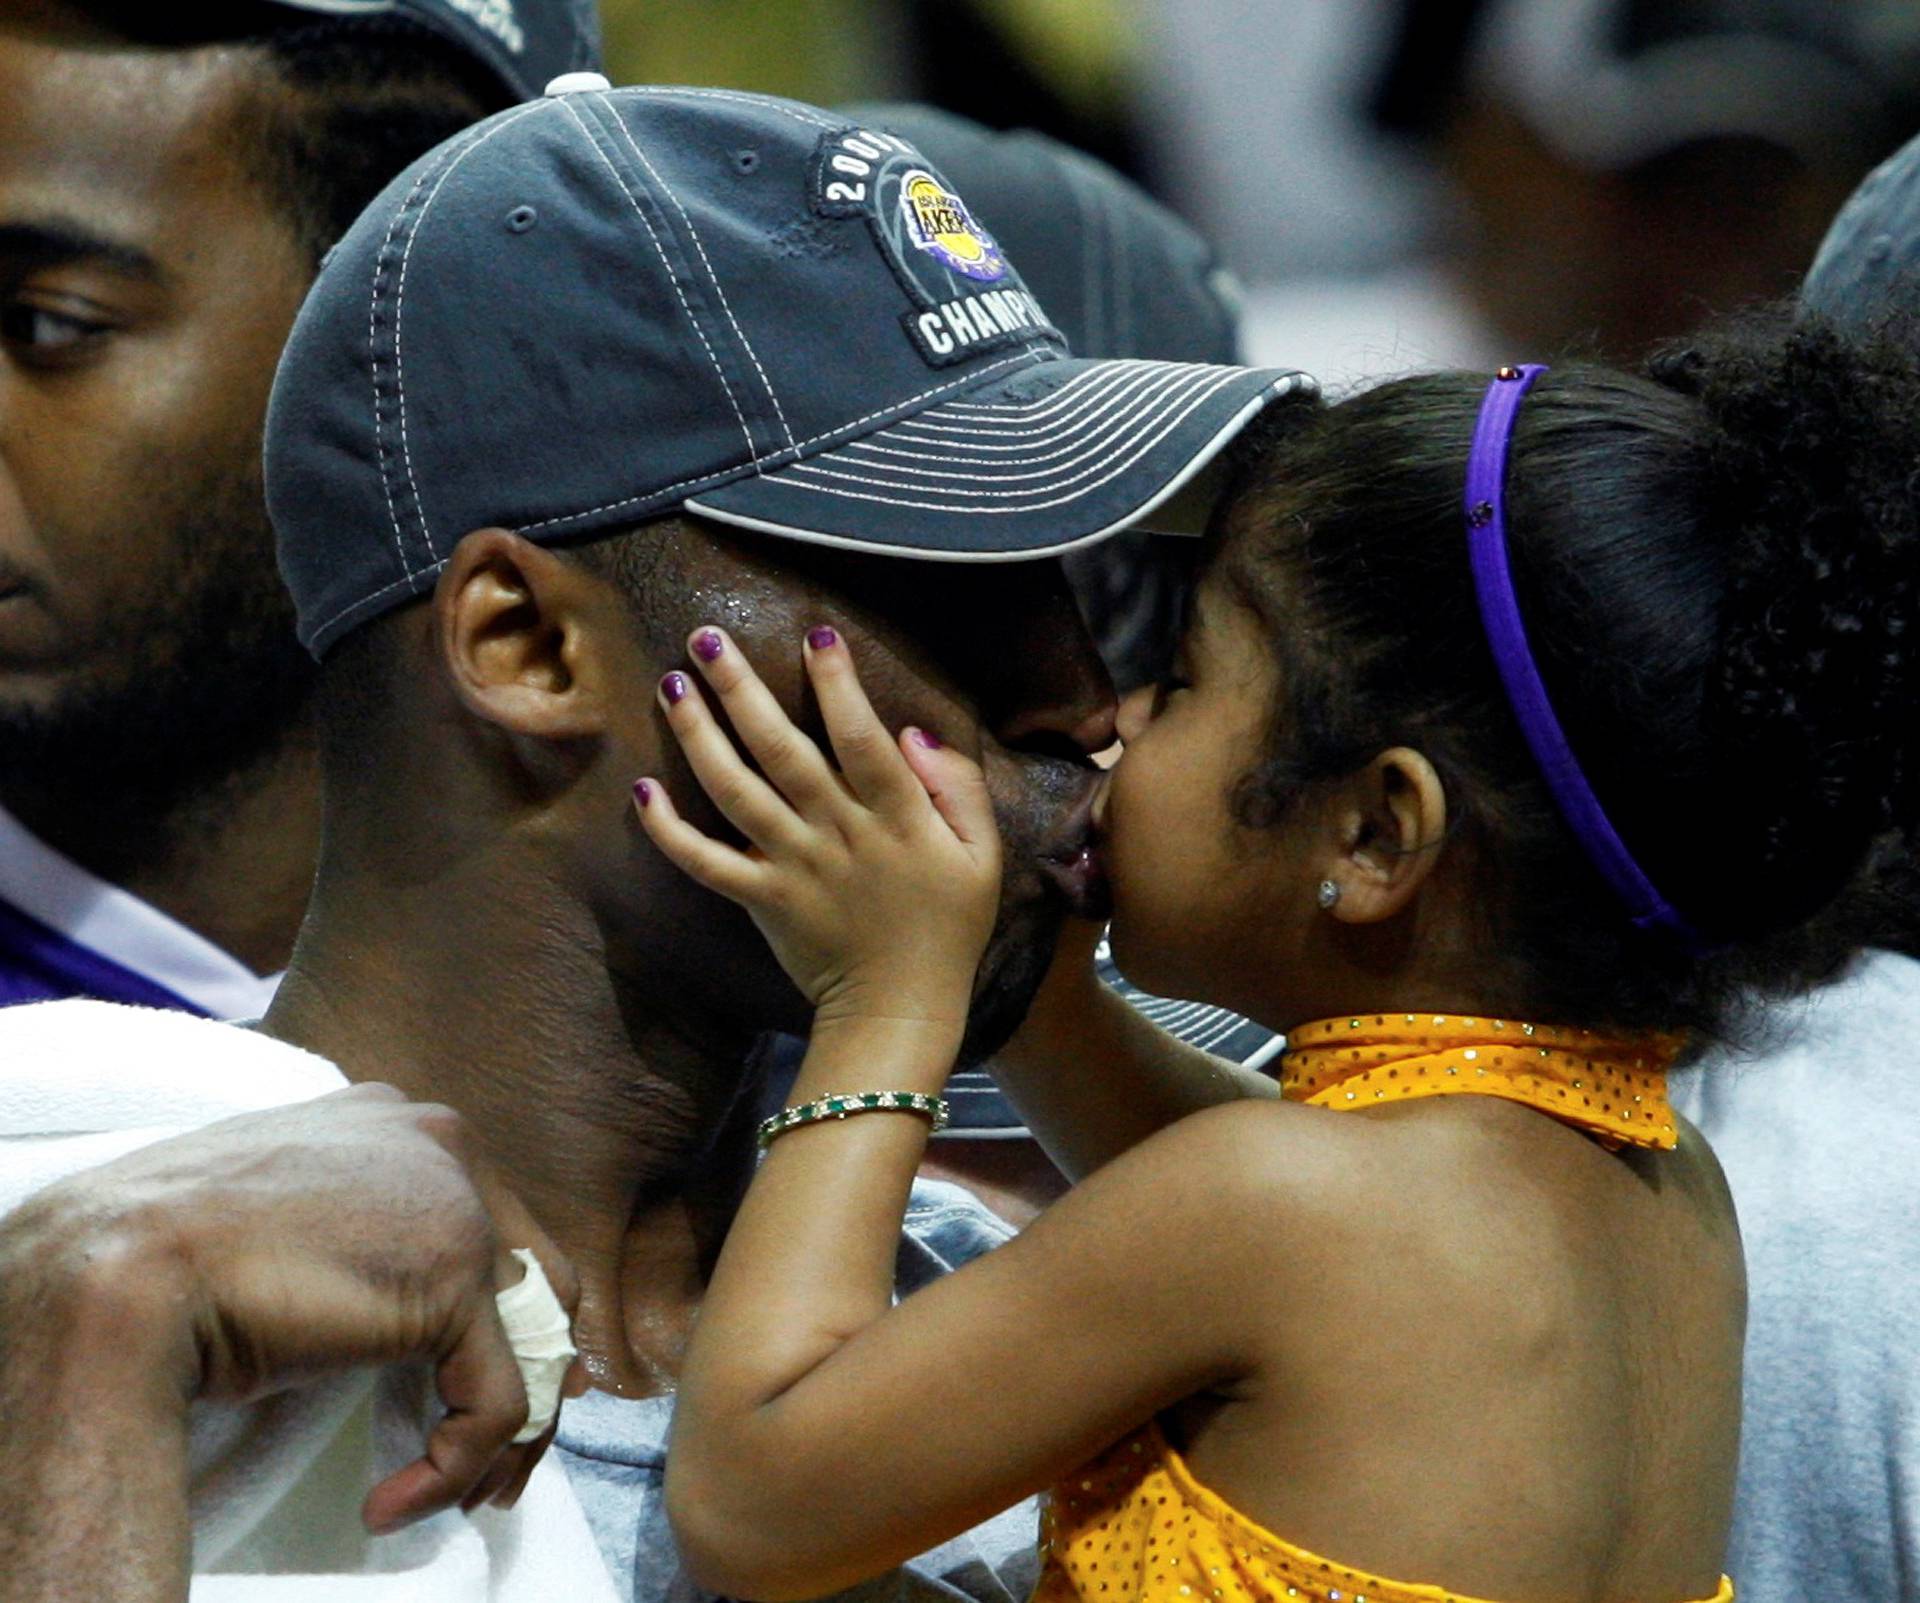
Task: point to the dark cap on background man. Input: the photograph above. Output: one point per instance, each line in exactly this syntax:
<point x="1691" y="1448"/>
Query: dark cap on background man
<point x="1868" y="266"/>
<point x="521" y="44"/>
<point x="525" y="43"/>
<point x="611" y="305"/>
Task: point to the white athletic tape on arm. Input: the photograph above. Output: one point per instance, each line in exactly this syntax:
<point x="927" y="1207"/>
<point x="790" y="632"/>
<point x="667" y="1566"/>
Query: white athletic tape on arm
<point x="542" y="1339"/>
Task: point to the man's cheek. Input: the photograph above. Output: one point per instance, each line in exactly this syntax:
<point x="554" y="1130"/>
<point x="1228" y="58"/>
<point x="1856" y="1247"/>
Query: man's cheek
<point x="1016" y="810"/>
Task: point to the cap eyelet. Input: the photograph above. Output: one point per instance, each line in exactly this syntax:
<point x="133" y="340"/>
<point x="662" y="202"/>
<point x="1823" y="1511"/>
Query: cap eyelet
<point x="745" y="161"/>
<point x="521" y="218"/>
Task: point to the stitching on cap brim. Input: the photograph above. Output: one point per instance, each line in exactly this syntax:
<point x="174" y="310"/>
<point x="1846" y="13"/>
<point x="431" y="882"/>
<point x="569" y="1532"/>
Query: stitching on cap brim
<point x="713" y="504"/>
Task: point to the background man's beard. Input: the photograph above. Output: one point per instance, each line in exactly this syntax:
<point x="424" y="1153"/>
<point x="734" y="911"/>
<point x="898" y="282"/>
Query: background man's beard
<point x="205" y="680"/>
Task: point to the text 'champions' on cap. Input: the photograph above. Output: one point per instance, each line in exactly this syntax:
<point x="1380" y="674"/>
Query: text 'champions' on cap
<point x="609" y="305"/>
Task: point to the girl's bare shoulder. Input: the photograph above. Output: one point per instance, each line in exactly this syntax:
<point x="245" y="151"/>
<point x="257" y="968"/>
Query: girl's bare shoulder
<point x="1455" y="1193"/>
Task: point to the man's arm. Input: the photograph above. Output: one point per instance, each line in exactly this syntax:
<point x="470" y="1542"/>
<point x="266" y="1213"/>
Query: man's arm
<point x="352" y="1230"/>
<point x="94" y="1385"/>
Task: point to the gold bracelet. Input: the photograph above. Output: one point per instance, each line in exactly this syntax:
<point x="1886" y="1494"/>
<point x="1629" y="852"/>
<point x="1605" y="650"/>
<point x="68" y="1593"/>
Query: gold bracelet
<point x="844" y="1105"/>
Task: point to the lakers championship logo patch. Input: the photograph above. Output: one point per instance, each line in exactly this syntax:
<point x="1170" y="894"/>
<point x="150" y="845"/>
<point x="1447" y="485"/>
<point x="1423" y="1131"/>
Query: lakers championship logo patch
<point x="940" y="224"/>
<point x="965" y="296"/>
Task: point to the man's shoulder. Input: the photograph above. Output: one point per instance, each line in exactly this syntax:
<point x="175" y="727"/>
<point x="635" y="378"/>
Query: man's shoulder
<point x="80" y="1067"/>
<point x="1835" y="1056"/>
<point x="1818" y="1130"/>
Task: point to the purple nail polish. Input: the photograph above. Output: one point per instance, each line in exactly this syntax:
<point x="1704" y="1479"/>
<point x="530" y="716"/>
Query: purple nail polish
<point x="673" y="687"/>
<point x="928" y="739"/>
<point x="707" y="645"/>
<point x="643" y="791"/>
<point x="820" y="637"/>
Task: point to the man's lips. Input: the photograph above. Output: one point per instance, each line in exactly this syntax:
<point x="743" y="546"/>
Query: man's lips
<point x="1073" y="862"/>
<point x="1082" y="880"/>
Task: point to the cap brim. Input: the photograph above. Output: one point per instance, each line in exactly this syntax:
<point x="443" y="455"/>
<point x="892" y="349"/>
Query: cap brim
<point x="1213" y="1029"/>
<point x="979" y="1111"/>
<point x="1053" y="456"/>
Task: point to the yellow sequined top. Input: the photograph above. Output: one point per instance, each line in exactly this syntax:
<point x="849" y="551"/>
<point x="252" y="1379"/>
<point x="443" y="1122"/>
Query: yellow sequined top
<point x="1134" y="1526"/>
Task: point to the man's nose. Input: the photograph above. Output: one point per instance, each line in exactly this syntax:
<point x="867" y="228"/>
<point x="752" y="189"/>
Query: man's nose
<point x="1082" y="718"/>
<point x="1055" y="691"/>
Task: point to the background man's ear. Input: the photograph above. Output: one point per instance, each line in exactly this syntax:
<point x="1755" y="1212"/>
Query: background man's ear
<point x="1390" y="821"/>
<point x="515" y="626"/>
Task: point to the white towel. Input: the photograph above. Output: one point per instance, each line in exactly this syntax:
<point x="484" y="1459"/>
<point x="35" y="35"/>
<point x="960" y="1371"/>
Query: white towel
<point x="277" y="1485"/>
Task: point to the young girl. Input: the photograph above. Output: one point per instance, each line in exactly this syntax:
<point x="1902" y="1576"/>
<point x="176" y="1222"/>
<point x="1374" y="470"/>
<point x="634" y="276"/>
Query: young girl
<point x="1525" y="727"/>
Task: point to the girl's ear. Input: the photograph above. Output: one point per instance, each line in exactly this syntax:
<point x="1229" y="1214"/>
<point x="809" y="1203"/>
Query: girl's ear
<point x="1388" y="822"/>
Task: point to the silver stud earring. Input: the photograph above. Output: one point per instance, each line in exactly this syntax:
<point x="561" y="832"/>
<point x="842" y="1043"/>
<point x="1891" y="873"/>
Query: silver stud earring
<point x="1327" y="895"/>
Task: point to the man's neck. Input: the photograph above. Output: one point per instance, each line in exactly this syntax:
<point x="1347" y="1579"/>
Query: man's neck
<point x="627" y="1134"/>
<point x="232" y="860"/>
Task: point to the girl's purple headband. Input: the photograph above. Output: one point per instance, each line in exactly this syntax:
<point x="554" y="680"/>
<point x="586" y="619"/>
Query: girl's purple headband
<point x="1507" y="635"/>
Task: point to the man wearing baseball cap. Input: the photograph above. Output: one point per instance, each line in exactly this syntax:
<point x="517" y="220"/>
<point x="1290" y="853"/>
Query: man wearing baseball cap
<point x="1819" y="1134"/>
<point x="1119" y="275"/>
<point x="169" y="179"/>
<point x="603" y="368"/>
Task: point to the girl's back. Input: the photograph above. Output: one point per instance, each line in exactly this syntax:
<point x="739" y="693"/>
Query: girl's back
<point x="1512" y="1332"/>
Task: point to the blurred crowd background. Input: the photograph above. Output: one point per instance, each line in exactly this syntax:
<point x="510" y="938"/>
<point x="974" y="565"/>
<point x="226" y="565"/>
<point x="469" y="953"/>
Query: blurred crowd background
<point x="1394" y="183"/>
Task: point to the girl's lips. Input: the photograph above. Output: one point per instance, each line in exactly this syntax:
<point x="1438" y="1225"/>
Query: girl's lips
<point x="1097" y="812"/>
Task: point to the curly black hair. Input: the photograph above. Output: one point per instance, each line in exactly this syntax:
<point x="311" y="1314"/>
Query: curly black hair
<point x="1716" y="560"/>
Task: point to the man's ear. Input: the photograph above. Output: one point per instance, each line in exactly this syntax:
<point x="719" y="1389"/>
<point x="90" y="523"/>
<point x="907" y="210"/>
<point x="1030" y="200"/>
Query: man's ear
<point x="1389" y="821"/>
<point x="515" y="627"/>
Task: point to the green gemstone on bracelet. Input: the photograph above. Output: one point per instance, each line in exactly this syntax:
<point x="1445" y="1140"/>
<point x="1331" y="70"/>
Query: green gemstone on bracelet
<point x="845" y="1103"/>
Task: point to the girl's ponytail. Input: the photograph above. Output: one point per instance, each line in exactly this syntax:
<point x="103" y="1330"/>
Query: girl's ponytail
<point x="1809" y="461"/>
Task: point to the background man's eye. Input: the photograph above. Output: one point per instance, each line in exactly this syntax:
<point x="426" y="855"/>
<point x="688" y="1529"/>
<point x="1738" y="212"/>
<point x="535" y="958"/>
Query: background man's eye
<point x="41" y="330"/>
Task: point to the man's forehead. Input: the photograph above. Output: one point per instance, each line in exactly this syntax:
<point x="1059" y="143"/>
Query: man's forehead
<point x="908" y="590"/>
<point x="116" y="135"/>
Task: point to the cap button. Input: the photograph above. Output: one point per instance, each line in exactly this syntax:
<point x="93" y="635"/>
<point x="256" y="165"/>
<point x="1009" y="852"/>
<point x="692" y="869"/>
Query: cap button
<point x="577" y="83"/>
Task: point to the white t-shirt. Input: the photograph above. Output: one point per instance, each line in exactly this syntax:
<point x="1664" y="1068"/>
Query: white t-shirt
<point x="1820" y="1139"/>
<point x="276" y="1486"/>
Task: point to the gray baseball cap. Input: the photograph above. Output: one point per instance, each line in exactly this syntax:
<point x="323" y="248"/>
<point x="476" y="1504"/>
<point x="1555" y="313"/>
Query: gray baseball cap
<point x="608" y="305"/>
<point x="524" y="43"/>
<point x="1868" y="266"/>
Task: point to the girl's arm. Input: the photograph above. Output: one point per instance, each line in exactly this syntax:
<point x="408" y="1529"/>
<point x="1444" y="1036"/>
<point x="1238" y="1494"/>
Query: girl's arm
<point x="1092" y="1076"/>
<point x="822" y="1435"/>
